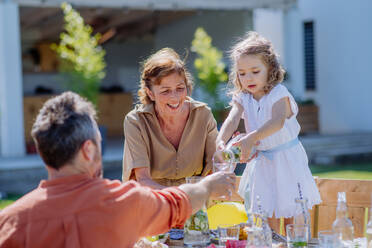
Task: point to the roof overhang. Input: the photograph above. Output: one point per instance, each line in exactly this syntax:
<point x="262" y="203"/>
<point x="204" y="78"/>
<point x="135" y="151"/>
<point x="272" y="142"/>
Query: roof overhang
<point x="164" y="4"/>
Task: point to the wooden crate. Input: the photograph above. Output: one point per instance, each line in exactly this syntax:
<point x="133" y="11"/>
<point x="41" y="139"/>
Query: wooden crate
<point x="112" y="109"/>
<point x="308" y="117"/>
<point x="48" y="58"/>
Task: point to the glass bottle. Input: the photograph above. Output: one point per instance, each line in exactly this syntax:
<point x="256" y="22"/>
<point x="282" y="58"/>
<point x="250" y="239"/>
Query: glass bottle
<point x="302" y="215"/>
<point x="196" y="228"/>
<point x="343" y="226"/>
<point x="266" y="232"/>
<point x="261" y="222"/>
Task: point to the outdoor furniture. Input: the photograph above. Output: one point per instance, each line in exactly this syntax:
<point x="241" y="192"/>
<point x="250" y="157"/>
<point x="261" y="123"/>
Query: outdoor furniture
<point x="358" y="196"/>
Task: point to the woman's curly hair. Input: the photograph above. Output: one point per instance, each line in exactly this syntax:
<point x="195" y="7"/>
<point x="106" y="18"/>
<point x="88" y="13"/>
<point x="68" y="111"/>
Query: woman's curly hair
<point x="159" y="65"/>
<point x="255" y="44"/>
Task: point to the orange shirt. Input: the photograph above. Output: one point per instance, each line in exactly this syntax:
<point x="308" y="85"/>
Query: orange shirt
<point x="78" y="211"/>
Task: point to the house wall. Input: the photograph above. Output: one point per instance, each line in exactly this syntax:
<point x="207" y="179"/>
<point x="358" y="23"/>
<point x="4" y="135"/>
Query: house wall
<point x="342" y="52"/>
<point x="122" y="67"/>
<point x="225" y="27"/>
<point x="123" y="58"/>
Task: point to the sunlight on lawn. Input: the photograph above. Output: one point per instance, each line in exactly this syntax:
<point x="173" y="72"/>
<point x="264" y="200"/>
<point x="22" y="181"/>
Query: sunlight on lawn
<point x="347" y="174"/>
<point x="4" y="203"/>
<point x="348" y="171"/>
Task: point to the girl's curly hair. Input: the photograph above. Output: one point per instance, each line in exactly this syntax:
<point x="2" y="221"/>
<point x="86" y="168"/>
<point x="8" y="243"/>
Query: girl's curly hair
<point x="255" y="44"/>
<point x="159" y="65"/>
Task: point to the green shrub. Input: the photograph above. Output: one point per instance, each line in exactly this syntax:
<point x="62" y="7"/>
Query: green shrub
<point x="210" y="68"/>
<point x="81" y="57"/>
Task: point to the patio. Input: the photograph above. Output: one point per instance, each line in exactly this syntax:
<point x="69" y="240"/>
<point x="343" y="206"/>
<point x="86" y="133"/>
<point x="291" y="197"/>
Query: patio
<point x="20" y="175"/>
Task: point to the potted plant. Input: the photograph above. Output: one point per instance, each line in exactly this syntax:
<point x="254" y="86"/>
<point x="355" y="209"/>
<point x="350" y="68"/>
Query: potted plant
<point x="308" y="116"/>
<point x="81" y="58"/>
<point x="210" y="71"/>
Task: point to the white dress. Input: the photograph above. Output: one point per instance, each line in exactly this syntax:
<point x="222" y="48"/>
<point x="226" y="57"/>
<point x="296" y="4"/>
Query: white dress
<point x="276" y="179"/>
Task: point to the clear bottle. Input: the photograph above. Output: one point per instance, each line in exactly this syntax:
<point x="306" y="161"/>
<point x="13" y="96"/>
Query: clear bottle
<point x="266" y="231"/>
<point x="302" y="215"/>
<point x="259" y="233"/>
<point x="196" y="228"/>
<point x="369" y="230"/>
<point x="343" y="226"/>
<point x="262" y="223"/>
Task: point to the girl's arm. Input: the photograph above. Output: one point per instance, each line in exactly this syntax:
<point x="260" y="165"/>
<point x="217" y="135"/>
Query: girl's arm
<point x="230" y="124"/>
<point x="144" y="178"/>
<point x="281" y="110"/>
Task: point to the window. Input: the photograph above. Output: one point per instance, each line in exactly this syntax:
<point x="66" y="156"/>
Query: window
<point x="310" y="82"/>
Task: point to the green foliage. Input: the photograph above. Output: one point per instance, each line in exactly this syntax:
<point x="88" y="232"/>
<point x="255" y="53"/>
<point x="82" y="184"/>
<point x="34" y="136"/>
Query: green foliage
<point x="209" y="66"/>
<point x="82" y="59"/>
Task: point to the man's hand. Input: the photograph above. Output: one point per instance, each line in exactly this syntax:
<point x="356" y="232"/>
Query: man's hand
<point x="220" y="184"/>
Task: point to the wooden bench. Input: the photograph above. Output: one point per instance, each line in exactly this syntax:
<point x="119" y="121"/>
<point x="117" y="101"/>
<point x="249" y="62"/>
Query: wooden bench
<point x="358" y="197"/>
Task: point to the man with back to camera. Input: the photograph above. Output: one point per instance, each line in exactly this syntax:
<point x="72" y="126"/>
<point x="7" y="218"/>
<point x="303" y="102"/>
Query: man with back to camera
<point x="76" y="207"/>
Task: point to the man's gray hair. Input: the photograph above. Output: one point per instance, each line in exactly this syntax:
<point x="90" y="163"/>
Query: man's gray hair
<point x="63" y="124"/>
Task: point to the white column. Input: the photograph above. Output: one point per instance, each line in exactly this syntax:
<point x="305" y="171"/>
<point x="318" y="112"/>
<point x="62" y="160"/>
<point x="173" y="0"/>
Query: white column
<point x="294" y="51"/>
<point x="269" y="23"/>
<point x="283" y="28"/>
<point x="12" y="140"/>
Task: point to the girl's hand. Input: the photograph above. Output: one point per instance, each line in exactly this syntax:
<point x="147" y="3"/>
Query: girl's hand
<point x="246" y="143"/>
<point x="221" y="145"/>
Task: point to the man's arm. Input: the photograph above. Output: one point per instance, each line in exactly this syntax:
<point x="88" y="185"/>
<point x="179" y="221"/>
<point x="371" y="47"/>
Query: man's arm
<point x="159" y="210"/>
<point x="144" y="178"/>
<point x="215" y="185"/>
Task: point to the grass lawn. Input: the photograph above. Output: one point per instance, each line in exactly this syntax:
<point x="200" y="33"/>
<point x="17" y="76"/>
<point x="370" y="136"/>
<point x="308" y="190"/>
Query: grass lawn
<point x="8" y="200"/>
<point x="347" y="171"/>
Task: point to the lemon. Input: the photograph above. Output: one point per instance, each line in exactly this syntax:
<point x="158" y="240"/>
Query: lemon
<point x="153" y="238"/>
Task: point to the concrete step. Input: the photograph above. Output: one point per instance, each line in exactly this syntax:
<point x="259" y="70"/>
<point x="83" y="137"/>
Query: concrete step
<point x="346" y="148"/>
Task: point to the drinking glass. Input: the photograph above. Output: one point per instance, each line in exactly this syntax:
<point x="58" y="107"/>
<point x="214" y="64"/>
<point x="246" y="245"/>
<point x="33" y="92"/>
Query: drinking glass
<point x="227" y="232"/>
<point x="297" y="235"/>
<point x="223" y="160"/>
<point x="328" y="239"/>
<point x="196" y="228"/>
<point x="255" y="237"/>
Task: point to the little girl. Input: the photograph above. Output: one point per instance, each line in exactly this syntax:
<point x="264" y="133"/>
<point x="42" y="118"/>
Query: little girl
<point x="269" y="112"/>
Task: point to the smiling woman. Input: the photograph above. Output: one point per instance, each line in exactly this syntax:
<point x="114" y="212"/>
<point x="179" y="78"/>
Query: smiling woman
<point x="169" y="136"/>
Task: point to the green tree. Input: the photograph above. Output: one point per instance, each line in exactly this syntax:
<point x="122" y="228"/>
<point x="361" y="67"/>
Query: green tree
<point x="210" y="68"/>
<point x="81" y="57"/>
